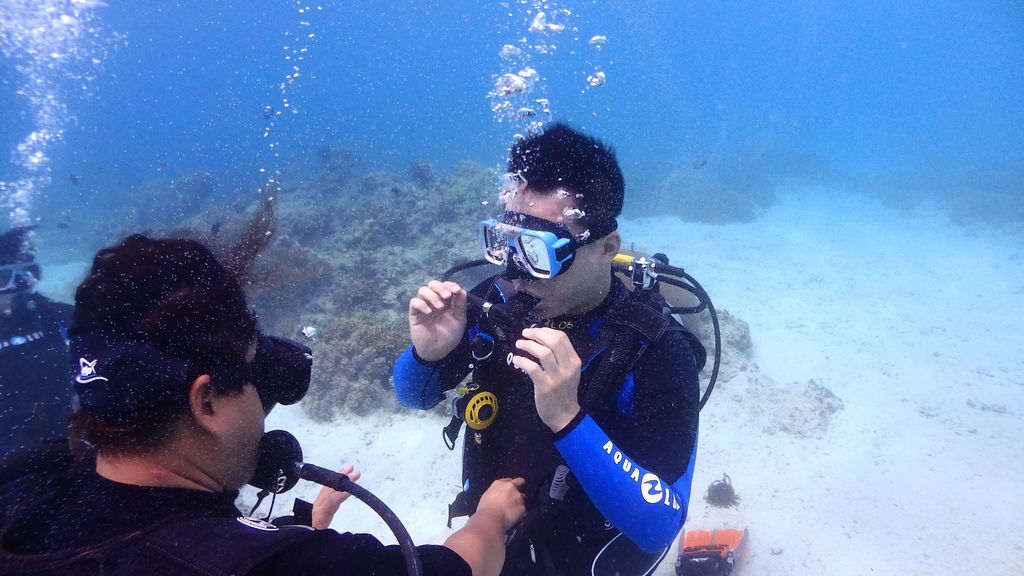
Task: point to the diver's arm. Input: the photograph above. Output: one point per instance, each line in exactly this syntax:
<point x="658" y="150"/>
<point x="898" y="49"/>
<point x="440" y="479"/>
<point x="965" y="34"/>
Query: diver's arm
<point x="437" y="321"/>
<point x="417" y="383"/>
<point x="420" y="384"/>
<point x="629" y="486"/>
<point x="481" y="542"/>
<point x="648" y="510"/>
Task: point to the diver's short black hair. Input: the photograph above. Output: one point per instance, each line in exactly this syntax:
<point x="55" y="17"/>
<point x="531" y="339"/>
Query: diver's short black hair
<point x="172" y="294"/>
<point x="562" y="157"/>
<point x="16" y="246"/>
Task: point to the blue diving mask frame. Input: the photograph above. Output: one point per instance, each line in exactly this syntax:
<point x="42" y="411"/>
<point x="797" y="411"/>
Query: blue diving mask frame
<point x="27" y="272"/>
<point x="530" y="247"/>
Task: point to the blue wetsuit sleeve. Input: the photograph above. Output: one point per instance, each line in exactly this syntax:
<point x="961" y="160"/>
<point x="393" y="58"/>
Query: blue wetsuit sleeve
<point x="417" y="384"/>
<point x="420" y="384"/>
<point x="644" y="507"/>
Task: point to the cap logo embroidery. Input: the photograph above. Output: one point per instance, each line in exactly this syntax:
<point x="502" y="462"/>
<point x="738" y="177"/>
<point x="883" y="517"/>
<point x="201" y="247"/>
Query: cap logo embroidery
<point x="87" y="372"/>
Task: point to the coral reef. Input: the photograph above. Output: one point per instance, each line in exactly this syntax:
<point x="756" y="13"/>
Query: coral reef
<point x="353" y="356"/>
<point x="987" y="207"/>
<point x="349" y="247"/>
<point x="696" y="198"/>
<point x="737" y="345"/>
<point x="421" y="173"/>
<point x="769" y="407"/>
<point x="337" y="165"/>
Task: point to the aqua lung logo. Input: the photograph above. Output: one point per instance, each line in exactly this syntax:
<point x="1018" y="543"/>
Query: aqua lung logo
<point x="87" y="372"/>
<point x="652" y="488"/>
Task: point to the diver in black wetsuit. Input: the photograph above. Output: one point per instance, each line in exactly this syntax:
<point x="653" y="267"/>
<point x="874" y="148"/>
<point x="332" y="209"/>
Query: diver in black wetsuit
<point x="595" y="403"/>
<point x="35" y="388"/>
<point x="174" y="383"/>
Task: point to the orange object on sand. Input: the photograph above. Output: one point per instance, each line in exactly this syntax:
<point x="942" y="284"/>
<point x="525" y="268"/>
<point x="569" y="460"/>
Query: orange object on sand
<point x="709" y="552"/>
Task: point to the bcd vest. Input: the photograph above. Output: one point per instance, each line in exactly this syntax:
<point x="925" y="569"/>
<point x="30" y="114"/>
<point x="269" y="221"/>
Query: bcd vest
<point x="504" y="435"/>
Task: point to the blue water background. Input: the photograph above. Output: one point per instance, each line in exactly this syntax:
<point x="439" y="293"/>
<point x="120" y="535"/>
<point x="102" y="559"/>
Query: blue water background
<point x="923" y="94"/>
<point x="918" y="103"/>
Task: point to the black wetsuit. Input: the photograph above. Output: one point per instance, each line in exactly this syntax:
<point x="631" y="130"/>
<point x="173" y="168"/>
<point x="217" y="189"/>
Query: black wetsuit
<point x="76" y="522"/>
<point x="630" y="451"/>
<point x="35" y="382"/>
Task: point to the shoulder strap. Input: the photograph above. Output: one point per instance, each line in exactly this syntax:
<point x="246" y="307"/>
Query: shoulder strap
<point x="648" y="314"/>
<point x="634" y="322"/>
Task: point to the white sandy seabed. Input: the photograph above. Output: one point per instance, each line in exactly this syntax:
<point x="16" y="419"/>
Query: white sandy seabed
<point x="914" y="324"/>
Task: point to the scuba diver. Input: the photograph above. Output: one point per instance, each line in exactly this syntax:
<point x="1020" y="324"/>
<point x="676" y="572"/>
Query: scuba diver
<point x="173" y="383"/>
<point x="587" y="389"/>
<point x="35" y="395"/>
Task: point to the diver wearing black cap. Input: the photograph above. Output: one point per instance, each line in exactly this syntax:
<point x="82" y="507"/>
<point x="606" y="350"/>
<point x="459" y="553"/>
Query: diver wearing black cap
<point x="173" y="382"/>
<point x="586" y="389"/>
<point x="35" y="397"/>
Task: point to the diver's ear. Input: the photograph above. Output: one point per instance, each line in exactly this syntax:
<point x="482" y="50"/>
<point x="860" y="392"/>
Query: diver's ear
<point x="610" y="245"/>
<point x="201" y="402"/>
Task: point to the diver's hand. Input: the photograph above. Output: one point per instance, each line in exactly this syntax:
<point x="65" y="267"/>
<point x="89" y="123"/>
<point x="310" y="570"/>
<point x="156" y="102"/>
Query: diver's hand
<point x="505" y="497"/>
<point x="327" y="502"/>
<point x="436" y="319"/>
<point x="556" y="378"/>
<point x="481" y="542"/>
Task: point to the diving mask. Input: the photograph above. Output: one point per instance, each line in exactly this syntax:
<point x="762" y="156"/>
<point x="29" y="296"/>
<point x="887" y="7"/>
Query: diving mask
<point x="28" y="272"/>
<point x="280" y="371"/>
<point x="118" y="377"/>
<point x="529" y="246"/>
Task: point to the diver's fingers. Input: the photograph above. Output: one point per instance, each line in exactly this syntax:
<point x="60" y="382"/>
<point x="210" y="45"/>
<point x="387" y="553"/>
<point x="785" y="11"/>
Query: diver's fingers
<point x="444" y="289"/>
<point x="432" y="298"/>
<point x="439" y="294"/>
<point x="556" y="340"/>
<point x="542" y="353"/>
<point x="350" y="471"/>
<point x="453" y="286"/>
<point x="532" y="369"/>
<point x="552" y="347"/>
<point x="419" y="307"/>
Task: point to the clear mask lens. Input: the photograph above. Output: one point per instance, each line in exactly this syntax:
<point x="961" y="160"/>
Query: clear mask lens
<point x="493" y="242"/>
<point x="535" y="251"/>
